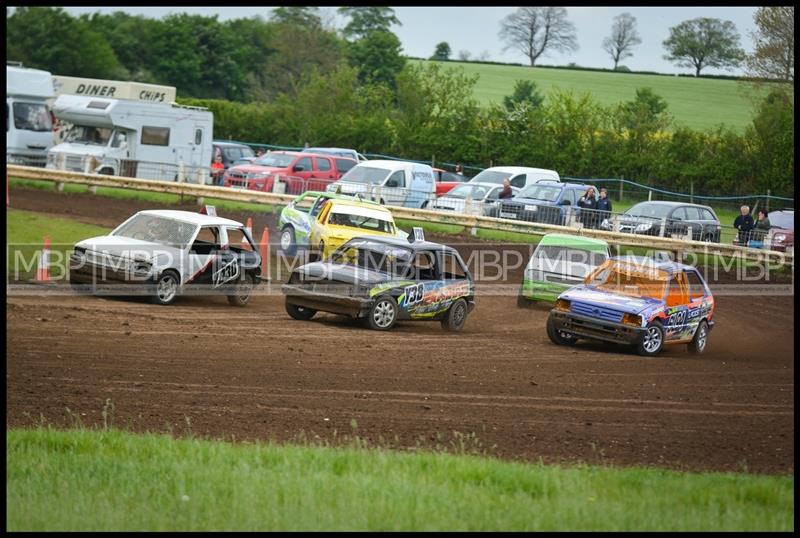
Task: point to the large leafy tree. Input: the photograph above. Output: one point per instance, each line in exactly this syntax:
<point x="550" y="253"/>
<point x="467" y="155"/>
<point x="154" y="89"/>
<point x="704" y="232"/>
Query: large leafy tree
<point x="302" y="16"/>
<point x="774" y="54"/>
<point x="364" y="20"/>
<point x="623" y="38"/>
<point x="525" y="94"/>
<point x="442" y="51"/>
<point x="378" y="57"/>
<point x="704" y="42"/>
<point x="533" y="31"/>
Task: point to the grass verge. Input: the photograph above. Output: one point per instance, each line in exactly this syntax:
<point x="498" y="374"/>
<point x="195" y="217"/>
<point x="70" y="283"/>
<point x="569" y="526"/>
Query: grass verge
<point x="113" y="480"/>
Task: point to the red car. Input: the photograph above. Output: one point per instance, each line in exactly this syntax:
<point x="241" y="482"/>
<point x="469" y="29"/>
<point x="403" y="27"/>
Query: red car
<point x="446" y="181"/>
<point x="299" y="172"/>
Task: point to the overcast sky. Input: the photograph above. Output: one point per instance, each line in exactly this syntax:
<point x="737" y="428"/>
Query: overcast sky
<point x="475" y="29"/>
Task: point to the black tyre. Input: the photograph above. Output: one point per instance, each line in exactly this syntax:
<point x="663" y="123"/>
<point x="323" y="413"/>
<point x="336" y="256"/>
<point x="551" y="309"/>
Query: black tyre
<point x="557" y="337"/>
<point x="288" y="241"/>
<point x="456" y="317"/>
<point x="698" y="344"/>
<point x="383" y="314"/>
<point x="166" y="288"/>
<point x="300" y="312"/>
<point x="652" y="341"/>
<point x="244" y="290"/>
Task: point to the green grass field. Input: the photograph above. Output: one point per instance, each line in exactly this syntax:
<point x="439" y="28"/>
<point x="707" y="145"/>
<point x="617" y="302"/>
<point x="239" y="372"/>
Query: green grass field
<point x="112" y="480"/>
<point x="697" y="103"/>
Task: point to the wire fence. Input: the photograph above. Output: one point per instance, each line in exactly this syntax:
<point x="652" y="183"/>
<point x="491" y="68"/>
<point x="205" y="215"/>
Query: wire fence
<point x="89" y="164"/>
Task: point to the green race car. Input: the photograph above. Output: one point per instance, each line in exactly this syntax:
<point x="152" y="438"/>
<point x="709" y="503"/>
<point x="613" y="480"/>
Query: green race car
<point x="559" y="262"/>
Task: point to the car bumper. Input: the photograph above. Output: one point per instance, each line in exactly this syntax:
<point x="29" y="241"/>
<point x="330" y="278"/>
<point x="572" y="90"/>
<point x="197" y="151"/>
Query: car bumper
<point x="592" y="329"/>
<point x="537" y="290"/>
<point x="327" y="302"/>
<point x="83" y="273"/>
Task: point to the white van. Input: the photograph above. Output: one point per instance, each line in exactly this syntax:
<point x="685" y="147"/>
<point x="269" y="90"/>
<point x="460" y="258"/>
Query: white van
<point x="400" y="183"/>
<point x="520" y="176"/>
<point x="134" y="139"/>
<point x="29" y="127"/>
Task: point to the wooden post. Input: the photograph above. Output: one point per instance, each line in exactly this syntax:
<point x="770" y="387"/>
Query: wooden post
<point x="621" y="186"/>
<point x="649" y="196"/>
<point x="769" y="192"/>
<point x="691" y="190"/>
<point x="433" y="161"/>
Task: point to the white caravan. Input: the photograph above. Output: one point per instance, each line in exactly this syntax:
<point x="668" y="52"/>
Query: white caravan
<point x="134" y="139"/>
<point x="520" y="176"/>
<point x="29" y="127"/>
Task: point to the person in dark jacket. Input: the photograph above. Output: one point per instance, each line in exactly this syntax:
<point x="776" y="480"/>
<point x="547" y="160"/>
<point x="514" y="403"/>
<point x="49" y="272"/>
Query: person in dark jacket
<point x="744" y="224"/>
<point x="603" y="205"/>
<point x="506" y="192"/>
<point x="588" y="205"/>
<point x="761" y="228"/>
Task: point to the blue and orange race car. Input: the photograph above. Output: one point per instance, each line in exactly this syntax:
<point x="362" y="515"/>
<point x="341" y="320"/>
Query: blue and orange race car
<point x="638" y="301"/>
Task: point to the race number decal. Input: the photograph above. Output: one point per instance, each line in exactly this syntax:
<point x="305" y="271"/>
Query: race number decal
<point x="677" y="319"/>
<point x="226" y="273"/>
<point x="414" y="294"/>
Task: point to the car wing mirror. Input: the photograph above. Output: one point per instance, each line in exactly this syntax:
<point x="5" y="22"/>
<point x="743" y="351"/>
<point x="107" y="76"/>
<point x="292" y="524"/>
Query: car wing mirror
<point x="299" y="168"/>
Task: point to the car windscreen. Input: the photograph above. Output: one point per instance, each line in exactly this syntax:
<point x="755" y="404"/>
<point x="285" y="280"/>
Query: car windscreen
<point x="476" y="192"/>
<point x="649" y="210"/>
<point x="156" y="229"/>
<point x="491" y="176"/>
<point x="86" y="134"/>
<point x="32" y="117"/>
<point x="366" y="174"/>
<point x="570" y="260"/>
<point x="375" y="256"/>
<point x="540" y="192"/>
<point x="782" y="219"/>
<point x="275" y="160"/>
<point x="360" y="222"/>
<point x="630" y="279"/>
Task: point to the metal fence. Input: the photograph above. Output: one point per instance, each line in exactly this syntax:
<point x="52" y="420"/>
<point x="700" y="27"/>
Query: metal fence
<point x="275" y="183"/>
<point x="201" y="175"/>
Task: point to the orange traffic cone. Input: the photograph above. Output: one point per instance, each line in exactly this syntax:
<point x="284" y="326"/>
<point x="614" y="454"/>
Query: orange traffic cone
<point x="264" y="247"/>
<point x="43" y="272"/>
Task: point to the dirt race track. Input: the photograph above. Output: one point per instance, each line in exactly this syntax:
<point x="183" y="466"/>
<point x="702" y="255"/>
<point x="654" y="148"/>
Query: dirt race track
<point x="204" y="367"/>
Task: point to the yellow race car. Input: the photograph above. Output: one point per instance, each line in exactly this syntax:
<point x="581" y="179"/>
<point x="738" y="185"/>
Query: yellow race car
<point x="341" y="220"/>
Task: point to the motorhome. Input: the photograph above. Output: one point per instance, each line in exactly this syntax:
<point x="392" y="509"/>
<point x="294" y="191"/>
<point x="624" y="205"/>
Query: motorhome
<point x="400" y="183"/>
<point x="133" y="138"/>
<point x="29" y="127"/>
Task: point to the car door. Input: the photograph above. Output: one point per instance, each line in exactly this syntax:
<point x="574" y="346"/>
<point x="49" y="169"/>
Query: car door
<point x="700" y="302"/>
<point x="394" y="190"/>
<point x="204" y="257"/>
<point x="422" y="187"/>
<point x="676" y="325"/>
<point x="240" y="248"/>
<point x="676" y="223"/>
<point x="694" y="220"/>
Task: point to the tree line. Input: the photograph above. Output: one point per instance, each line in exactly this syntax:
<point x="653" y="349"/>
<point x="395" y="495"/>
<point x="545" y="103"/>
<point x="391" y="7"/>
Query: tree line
<point x="292" y="80"/>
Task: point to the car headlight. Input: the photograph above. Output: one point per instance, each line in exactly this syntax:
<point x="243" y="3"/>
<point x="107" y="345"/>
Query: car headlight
<point x="563" y="305"/>
<point x="259" y="175"/>
<point x="632" y="319"/>
<point x="779" y="238"/>
<point x="643" y="227"/>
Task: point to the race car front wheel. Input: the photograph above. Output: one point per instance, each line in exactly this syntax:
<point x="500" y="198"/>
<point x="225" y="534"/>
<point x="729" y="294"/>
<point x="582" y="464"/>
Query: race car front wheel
<point x="383" y="314"/>
<point x="698" y="344"/>
<point x="244" y="291"/>
<point x="300" y="312"/>
<point x="559" y="338"/>
<point x="652" y="340"/>
<point x="456" y="317"/>
<point x="288" y="244"/>
<point x="166" y="288"/>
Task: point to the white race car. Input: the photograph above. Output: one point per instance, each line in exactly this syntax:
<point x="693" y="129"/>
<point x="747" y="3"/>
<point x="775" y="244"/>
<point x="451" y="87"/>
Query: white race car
<point x="161" y="253"/>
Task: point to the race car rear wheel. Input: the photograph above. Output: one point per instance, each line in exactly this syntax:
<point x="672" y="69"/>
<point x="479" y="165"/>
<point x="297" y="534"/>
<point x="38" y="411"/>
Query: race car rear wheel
<point x="652" y="340"/>
<point x="558" y="337"/>
<point x="698" y="344"/>
<point x="166" y="288"/>
<point x="244" y="291"/>
<point x="383" y="314"/>
<point x="288" y="243"/>
<point x="456" y="317"/>
<point x="300" y="312"/>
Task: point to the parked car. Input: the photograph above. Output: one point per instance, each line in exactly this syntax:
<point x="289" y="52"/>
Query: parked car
<point x="383" y="280"/>
<point x="546" y="201"/>
<point x="637" y="301"/>
<point x="446" y="181"/>
<point x="295" y="172"/>
<point x="232" y="152"/>
<point x="472" y="198"/>
<point x="677" y="219"/>
<point x="163" y="253"/>
<point x="559" y="262"/>
<point x="782" y="230"/>
<point x="308" y="221"/>
<point x="338" y="152"/>
<point x="520" y="176"/>
<point x="401" y="183"/>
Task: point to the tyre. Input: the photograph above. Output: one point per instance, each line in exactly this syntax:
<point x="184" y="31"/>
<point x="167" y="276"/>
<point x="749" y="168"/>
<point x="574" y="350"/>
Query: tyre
<point x="424" y="205"/>
<point x="300" y="312"/>
<point x="698" y="344"/>
<point x="166" y="288"/>
<point x="709" y="238"/>
<point x="456" y="317"/>
<point x="288" y="241"/>
<point x="652" y="340"/>
<point x="244" y="290"/>
<point x="383" y="314"/>
<point x="557" y="337"/>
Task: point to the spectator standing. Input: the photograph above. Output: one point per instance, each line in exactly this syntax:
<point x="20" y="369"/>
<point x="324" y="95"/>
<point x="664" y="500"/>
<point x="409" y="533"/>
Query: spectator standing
<point x="459" y="169"/>
<point x="744" y="224"/>
<point x="217" y="170"/>
<point x="761" y="228"/>
<point x="604" y="205"/>
<point x="506" y="192"/>
<point x="588" y="203"/>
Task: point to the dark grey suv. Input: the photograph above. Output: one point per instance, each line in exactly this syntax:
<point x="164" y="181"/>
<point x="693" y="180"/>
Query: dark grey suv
<point x="676" y="218"/>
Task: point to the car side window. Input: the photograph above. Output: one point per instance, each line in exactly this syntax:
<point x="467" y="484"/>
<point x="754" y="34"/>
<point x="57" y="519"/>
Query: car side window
<point x="493" y="194"/>
<point x="237" y="241"/>
<point x="679" y="214"/>
<point x="708" y="215"/>
<point x="314" y="211"/>
<point x="692" y="213"/>
<point x="696" y="288"/>
<point x="343" y="165"/>
<point x="207" y="241"/>
<point x="305" y="163"/>
<point x="518" y="181"/>
<point x="397" y="180"/>
<point x="323" y="164"/>
<point x="678" y="290"/>
<point x="424" y="266"/>
<point x="452" y="268"/>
